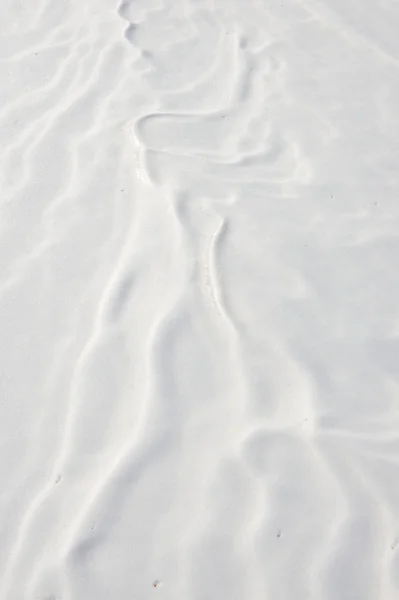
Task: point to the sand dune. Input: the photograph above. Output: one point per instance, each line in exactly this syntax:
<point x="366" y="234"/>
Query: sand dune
<point x="199" y="298"/>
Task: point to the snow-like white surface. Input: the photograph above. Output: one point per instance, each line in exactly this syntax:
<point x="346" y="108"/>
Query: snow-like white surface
<point x="199" y="300"/>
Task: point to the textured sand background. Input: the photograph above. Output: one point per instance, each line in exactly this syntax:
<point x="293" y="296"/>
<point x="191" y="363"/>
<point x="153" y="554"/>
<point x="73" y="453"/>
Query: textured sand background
<point x="199" y="300"/>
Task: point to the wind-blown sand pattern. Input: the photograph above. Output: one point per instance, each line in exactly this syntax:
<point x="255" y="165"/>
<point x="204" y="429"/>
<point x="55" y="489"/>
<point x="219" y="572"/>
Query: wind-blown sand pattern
<point x="199" y="300"/>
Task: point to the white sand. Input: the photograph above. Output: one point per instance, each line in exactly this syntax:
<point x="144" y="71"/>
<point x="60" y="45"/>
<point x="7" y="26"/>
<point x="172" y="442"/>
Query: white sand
<point x="199" y="300"/>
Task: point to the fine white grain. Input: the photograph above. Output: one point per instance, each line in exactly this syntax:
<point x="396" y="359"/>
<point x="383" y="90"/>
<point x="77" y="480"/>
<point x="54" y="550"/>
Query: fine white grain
<point x="199" y="300"/>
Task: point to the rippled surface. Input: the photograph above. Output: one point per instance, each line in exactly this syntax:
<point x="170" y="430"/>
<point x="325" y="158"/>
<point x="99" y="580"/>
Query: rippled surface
<point x="199" y="376"/>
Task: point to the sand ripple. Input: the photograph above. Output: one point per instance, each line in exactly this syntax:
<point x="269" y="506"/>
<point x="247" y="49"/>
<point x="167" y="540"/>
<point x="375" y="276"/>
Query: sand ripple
<point x="199" y="300"/>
